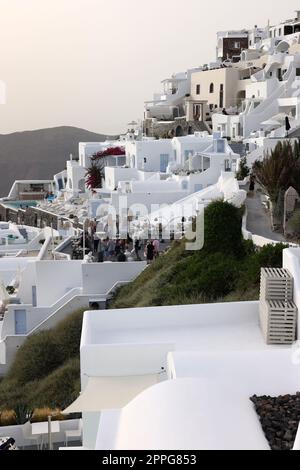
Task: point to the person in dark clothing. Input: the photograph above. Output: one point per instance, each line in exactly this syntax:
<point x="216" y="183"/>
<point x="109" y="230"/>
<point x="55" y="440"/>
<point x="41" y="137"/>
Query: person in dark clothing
<point x="149" y="252"/>
<point x="137" y="249"/>
<point x="287" y="125"/>
<point x="118" y="248"/>
<point x="252" y="184"/>
<point x="122" y="257"/>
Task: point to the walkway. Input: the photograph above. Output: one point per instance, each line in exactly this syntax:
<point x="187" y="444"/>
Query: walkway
<point x="258" y="220"/>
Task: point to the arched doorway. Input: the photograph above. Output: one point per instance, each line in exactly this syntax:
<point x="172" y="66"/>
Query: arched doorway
<point x="179" y="131"/>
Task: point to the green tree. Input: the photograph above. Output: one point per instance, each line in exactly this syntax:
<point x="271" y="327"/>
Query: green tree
<point x="279" y="170"/>
<point x="244" y="170"/>
<point x="223" y="229"/>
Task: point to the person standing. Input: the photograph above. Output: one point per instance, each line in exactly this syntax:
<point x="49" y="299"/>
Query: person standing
<point x="156" y="246"/>
<point x="137" y="249"/>
<point x="96" y="242"/>
<point x="252" y="184"/>
<point x="117" y="248"/>
<point x="111" y="248"/>
<point x="149" y="252"/>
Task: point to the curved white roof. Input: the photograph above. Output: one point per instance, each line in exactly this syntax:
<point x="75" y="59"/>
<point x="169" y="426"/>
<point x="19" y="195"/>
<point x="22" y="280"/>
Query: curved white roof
<point x="188" y="414"/>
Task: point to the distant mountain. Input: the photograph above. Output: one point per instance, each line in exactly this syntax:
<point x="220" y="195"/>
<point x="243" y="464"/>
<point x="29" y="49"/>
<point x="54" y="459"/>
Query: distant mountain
<point x="39" y="154"/>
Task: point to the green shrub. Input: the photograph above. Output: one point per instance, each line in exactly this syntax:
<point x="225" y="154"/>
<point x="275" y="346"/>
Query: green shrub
<point x="209" y="277"/>
<point x="223" y="229"/>
<point x="68" y="334"/>
<point x="266" y="257"/>
<point x="294" y="223"/>
<point x="271" y="255"/>
<point x="59" y="389"/>
<point x="22" y="413"/>
<point x="36" y="358"/>
<point x="244" y="170"/>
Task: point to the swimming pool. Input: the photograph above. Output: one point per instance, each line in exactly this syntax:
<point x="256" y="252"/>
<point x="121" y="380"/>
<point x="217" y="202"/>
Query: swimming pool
<point x="20" y="204"/>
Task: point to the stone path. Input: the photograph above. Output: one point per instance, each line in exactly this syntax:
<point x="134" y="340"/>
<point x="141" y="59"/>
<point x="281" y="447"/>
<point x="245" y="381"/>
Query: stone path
<point x="258" y="220"/>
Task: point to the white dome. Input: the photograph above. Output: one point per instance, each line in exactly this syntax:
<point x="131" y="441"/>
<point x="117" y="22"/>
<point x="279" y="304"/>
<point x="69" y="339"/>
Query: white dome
<point x="188" y="414"/>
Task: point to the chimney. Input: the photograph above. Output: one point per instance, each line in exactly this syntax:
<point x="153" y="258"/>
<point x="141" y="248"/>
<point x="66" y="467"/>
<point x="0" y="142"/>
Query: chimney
<point x="298" y="15"/>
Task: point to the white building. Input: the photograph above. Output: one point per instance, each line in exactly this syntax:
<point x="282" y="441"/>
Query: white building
<point x="39" y="303"/>
<point x="148" y="373"/>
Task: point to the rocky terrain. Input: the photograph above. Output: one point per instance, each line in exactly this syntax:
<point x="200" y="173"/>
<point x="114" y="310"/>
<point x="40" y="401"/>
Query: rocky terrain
<point x="279" y="417"/>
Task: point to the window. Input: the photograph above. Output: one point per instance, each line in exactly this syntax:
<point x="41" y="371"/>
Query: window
<point x="237" y="45"/>
<point x="211" y="88"/>
<point x="297" y="72"/>
<point x="198" y="89"/>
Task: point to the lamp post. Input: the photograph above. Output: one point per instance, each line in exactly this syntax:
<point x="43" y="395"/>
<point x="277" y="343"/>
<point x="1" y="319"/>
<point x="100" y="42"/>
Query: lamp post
<point x="50" y="433"/>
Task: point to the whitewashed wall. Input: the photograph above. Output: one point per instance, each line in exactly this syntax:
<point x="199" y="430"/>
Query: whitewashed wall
<point x="55" y="279"/>
<point x="99" y="278"/>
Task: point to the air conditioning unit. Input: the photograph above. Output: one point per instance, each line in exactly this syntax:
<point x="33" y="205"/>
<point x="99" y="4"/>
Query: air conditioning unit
<point x="277" y="311"/>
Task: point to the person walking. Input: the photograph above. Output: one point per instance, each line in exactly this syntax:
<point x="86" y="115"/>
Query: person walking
<point x="149" y="252"/>
<point x="252" y="184"/>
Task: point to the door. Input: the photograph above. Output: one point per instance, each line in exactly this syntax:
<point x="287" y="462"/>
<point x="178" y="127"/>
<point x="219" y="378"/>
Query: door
<point x="164" y="161"/>
<point x="34" y="301"/>
<point x="20" y="322"/>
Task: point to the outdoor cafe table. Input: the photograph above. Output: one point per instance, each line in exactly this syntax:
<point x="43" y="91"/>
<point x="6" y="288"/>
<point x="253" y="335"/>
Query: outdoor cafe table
<point x="42" y="428"/>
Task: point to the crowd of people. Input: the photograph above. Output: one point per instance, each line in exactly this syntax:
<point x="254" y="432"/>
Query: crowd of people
<point x="99" y="249"/>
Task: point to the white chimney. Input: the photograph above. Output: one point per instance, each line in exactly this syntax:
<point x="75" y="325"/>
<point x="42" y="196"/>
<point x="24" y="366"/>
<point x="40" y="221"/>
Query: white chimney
<point x="298" y="15"/>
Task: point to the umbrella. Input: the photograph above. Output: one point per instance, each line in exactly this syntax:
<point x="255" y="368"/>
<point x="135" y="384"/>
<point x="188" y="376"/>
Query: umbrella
<point x="271" y="123"/>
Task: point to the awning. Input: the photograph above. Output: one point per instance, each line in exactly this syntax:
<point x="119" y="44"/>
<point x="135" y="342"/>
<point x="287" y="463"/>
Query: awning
<point x="109" y="393"/>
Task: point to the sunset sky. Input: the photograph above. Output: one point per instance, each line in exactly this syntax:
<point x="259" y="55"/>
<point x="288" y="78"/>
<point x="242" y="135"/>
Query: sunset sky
<point x="92" y="63"/>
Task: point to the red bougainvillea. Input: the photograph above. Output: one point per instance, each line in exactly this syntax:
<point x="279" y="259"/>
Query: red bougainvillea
<point x="111" y="151"/>
<point x="94" y="176"/>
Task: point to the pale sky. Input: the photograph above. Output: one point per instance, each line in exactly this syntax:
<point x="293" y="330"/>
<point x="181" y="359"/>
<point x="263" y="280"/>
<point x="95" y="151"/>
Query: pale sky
<point x="92" y="63"/>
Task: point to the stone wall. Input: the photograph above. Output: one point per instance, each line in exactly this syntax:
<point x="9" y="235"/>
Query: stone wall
<point x="31" y="216"/>
<point x="169" y="129"/>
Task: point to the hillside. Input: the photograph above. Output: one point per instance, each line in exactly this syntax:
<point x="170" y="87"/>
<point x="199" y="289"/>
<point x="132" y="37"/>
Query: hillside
<point x="45" y="372"/>
<point x="39" y="154"/>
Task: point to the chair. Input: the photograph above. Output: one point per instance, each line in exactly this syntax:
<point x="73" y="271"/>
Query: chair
<point x="28" y="436"/>
<point x="74" y="435"/>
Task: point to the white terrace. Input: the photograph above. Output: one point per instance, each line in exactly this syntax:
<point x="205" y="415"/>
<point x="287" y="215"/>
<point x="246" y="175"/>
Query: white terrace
<point x="149" y="373"/>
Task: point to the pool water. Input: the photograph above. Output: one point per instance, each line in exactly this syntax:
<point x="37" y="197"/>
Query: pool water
<point x="20" y="204"/>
